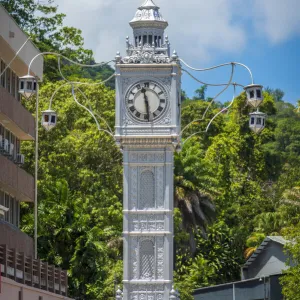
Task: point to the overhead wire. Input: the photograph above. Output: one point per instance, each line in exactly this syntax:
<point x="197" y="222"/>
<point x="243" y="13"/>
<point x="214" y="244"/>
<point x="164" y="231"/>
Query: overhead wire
<point x="220" y="66"/>
<point x="16" y="55"/>
<point x="68" y="59"/>
<point x="210" y="122"/>
<point x="84" y="95"/>
<point x="212" y="101"/>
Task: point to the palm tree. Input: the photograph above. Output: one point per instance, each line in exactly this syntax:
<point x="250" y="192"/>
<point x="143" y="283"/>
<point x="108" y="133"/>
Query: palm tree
<point x="194" y="192"/>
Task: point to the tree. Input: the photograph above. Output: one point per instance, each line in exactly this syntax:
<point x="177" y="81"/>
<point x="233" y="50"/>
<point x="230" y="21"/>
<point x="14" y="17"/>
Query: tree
<point x="44" y="23"/>
<point x="194" y="191"/>
<point x="200" y="93"/>
<point x="217" y="261"/>
<point x="278" y="94"/>
<point x="290" y="279"/>
<point x="232" y="187"/>
<point x="80" y="194"/>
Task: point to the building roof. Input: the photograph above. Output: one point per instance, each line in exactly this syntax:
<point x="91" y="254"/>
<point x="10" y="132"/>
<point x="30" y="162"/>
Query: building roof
<point x="148" y="15"/>
<point x="277" y="239"/>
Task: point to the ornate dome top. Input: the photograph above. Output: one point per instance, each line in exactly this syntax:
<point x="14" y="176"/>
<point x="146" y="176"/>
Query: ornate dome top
<point x="148" y="15"/>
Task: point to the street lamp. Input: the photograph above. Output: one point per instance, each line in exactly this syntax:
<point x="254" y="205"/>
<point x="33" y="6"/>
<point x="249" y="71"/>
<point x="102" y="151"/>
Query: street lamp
<point x="257" y="121"/>
<point x="49" y="119"/>
<point x="254" y="94"/>
<point x="28" y="86"/>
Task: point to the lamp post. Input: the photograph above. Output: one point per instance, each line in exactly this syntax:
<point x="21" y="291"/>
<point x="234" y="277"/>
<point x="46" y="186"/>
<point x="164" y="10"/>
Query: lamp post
<point x="29" y="86"/>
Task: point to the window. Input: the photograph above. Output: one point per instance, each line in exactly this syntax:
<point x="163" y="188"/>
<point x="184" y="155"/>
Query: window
<point x="13" y="84"/>
<point x="1" y="198"/>
<point x="8" y="80"/>
<point x="258" y="93"/>
<point x="18" y="96"/>
<point x="11" y="210"/>
<point x="13" y="142"/>
<point x="2" y="68"/>
<point x="258" y="121"/>
<point x="144" y="39"/>
<point x="252" y="121"/>
<point x="6" y="204"/>
<point x="13" y="215"/>
<point x="251" y="94"/>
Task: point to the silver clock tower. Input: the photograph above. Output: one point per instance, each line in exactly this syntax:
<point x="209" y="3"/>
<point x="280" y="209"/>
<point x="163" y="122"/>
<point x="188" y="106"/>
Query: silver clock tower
<point x="148" y="95"/>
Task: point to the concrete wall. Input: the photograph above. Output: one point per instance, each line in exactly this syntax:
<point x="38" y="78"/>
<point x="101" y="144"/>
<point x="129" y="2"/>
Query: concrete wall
<point x="15" y="117"/>
<point x="11" y="40"/>
<point x="10" y="290"/>
<point x="16" y="181"/>
<point x="13" y="238"/>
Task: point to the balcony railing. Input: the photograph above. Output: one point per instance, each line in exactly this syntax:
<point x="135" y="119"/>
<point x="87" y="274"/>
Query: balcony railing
<point x="32" y="272"/>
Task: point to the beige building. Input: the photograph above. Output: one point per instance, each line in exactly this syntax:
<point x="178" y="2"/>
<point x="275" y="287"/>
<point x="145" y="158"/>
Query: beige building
<point x="22" y="277"/>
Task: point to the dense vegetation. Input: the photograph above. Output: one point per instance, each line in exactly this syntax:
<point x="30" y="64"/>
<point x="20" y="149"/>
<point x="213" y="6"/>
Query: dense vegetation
<point x="232" y="188"/>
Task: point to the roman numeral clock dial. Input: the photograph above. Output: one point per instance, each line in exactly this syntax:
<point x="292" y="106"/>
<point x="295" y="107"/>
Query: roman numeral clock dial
<point x="146" y="101"/>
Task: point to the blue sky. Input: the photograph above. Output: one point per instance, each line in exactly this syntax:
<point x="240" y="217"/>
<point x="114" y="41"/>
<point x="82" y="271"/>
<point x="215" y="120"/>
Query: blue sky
<point x="263" y="34"/>
<point x="276" y="66"/>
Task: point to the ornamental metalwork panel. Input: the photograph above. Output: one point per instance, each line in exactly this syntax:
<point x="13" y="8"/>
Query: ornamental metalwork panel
<point x="146" y="222"/>
<point x="160" y="187"/>
<point x="147" y="292"/>
<point x="134" y="254"/>
<point x="160" y="257"/>
<point x="147" y="259"/>
<point x="147" y="190"/>
<point x="133" y="187"/>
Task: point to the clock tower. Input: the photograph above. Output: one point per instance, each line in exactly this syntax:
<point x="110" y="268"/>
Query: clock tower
<point x="148" y="95"/>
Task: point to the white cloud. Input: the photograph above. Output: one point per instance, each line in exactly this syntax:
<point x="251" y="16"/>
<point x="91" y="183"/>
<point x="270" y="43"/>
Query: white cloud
<point x="279" y="20"/>
<point x="196" y="30"/>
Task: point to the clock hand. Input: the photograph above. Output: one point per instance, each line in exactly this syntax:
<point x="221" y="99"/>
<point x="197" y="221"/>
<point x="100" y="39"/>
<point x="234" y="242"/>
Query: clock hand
<point x="146" y="103"/>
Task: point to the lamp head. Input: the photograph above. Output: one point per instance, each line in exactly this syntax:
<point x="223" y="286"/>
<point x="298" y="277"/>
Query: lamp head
<point x="27" y="86"/>
<point x="254" y="94"/>
<point x="49" y="119"/>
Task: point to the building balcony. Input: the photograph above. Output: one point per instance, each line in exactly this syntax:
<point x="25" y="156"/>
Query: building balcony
<point x="34" y="273"/>
<point x="16" y="181"/>
<point x="14" y="238"/>
<point x="15" y="117"/>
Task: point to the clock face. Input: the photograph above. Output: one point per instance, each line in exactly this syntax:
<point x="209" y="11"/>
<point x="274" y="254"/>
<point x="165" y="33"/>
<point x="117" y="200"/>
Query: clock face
<point x="146" y="101"/>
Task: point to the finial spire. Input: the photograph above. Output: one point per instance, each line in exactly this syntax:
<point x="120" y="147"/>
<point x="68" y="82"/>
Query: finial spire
<point x="149" y="4"/>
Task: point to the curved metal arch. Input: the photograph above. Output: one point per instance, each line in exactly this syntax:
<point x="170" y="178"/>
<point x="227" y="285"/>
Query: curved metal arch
<point x="212" y="101"/>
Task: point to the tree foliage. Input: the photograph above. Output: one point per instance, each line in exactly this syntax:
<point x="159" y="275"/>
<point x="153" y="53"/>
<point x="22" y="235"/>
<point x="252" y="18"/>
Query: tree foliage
<point x="232" y="187"/>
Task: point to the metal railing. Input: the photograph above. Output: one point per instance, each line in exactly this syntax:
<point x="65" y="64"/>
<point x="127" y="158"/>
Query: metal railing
<point x="32" y="272"/>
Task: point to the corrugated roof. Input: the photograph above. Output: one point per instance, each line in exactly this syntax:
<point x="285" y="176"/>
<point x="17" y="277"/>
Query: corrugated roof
<point x="263" y="245"/>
